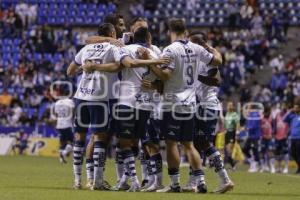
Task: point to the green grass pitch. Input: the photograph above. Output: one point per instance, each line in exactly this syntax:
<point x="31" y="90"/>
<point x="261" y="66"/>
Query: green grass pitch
<point x="40" y="178"/>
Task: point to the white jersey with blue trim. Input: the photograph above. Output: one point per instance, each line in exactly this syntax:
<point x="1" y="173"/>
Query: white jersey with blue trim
<point x="95" y="86"/>
<point x="207" y="95"/>
<point x="63" y="110"/>
<point x="180" y="89"/>
<point x="131" y="92"/>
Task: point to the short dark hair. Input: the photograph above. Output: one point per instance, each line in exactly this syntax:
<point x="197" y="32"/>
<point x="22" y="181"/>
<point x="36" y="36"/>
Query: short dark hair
<point x="113" y="18"/>
<point x="136" y="19"/>
<point x="106" y="29"/>
<point x="198" y="36"/>
<point x="177" y="25"/>
<point x="141" y="35"/>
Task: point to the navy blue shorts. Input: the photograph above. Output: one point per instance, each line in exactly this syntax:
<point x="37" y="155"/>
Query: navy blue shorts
<point x="112" y="121"/>
<point x="266" y="145"/>
<point x="178" y="126"/>
<point x="91" y="114"/>
<point x="132" y="122"/>
<point x="206" y="121"/>
<point x="281" y="147"/>
<point x="65" y="135"/>
<point x="153" y="132"/>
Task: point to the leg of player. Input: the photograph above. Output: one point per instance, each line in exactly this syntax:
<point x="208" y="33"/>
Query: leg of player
<point x="285" y="155"/>
<point x="90" y="163"/>
<point x="215" y="159"/>
<point x="264" y="156"/>
<point x="99" y="157"/>
<point x="78" y="151"/>
<point x="62" y="157"/>
<point x="247" y="149"/>
<point x="129" y="163"/>
<point x="230" y="138"/>
<point x="254" y="148"/>
<point x="155" y="168"/>
<point x="195" y="162"/>
<point x="271" y="157"/>
<point x="122" y="176"/>
<point x="173" y="160"/>
<point x="144" y="156"/>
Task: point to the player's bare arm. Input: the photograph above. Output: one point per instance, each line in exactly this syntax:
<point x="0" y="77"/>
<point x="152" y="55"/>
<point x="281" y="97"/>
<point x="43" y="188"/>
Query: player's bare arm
<point x="101" y="39"/>
<point x="212" y="79"/>
<point x="73" y="69"/>
<point x="162" y="74"/>
<point x="106" y="67"/>
<point x="133" y="63"/>
<point x="217" y="59"/>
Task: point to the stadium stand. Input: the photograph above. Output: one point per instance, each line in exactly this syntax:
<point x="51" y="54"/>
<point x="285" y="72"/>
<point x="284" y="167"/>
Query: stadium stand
<point x="35" y="50"/>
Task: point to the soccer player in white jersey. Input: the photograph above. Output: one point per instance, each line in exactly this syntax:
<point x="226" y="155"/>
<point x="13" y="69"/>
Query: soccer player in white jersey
<point x="130" y="63"/>
<point x="208" y="112"/>
<point x="135" y="104"/>
<point x="63" y="111"/>
<point x="117" y="21"/>
<point x="92" y="106"/>
<point x="124" y="38"/>
<point x="180" y="101"/>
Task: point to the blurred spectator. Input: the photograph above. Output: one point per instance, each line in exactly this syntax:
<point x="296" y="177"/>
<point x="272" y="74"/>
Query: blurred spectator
<point x="257" y="24"/>
<point x="32" y="13"/>
<point x="137" y="9"/>
<point x="22" y="10"/>
<point x="233" y="14"/>
<point x="293" y="119"/>
<point x="246" y="13"/>
<point x="16" y="112"/>
<point x="21" y="143"/>
<point x="285" y="19"/>
<point x="5" y="98"/>
<point x="151" y="5"/>
<point x="277" y="62"/>
<point x="278" y="82"/>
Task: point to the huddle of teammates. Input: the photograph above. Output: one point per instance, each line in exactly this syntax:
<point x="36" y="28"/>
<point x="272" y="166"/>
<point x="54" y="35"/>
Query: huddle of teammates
<point x="142" y="95"/>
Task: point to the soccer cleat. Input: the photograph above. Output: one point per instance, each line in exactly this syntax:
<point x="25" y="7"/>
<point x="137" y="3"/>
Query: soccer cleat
<point x="89" y="184"/>
<point x="144" y="183"/>
<point x="223" y="188"/>
<point x="253" y="167"/>
<point x="202" y="188"/>
<point x="175" y="189"/>
<point x="121" y="186"/>
<point x="62" y="159"/>
<point x="153" y="188"/>
<point x="189" y="187"/>
<point x="106" y="185"/>
<point x="96" y="187"/>
<point x="135" y="187"/>
<point x="273" y="170"/>
<point x="285" y="170"/>
<point x="77" y="186"/>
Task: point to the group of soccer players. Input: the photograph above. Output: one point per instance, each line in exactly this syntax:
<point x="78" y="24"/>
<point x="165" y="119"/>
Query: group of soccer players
<point x="131" y="90"/>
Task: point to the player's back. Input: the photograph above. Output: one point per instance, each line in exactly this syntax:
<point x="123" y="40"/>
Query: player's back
<point x="131" y="91"/>
<point x="63" y="109"/>
<point x="207" y="95"/>
<point x="96" y="85"/>
<point x="185" y="59"/>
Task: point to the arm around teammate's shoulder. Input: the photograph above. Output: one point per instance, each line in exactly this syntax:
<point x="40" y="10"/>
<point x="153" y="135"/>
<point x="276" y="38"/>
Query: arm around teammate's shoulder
<point x="217" y="59"/>
<point x="128" y="62"/>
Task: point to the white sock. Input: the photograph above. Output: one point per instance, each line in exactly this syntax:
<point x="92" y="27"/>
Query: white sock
<point x="119" y="164"/>
<point x="99" y="161"/>
<point x="286" y="160"/>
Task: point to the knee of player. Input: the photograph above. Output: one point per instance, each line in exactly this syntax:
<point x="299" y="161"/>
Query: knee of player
<point x="188" y="146"/>
<point x="125" y="143"/>
<point x="80" y="136"/>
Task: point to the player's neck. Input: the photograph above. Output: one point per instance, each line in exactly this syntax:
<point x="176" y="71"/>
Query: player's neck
<point x="178" y="37"/>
